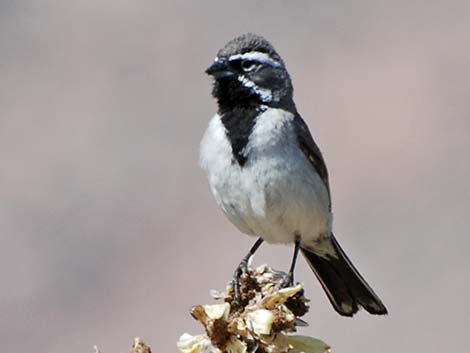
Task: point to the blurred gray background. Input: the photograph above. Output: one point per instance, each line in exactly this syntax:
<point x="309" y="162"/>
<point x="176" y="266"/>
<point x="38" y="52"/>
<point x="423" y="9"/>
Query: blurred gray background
<point x="108" y="229"/>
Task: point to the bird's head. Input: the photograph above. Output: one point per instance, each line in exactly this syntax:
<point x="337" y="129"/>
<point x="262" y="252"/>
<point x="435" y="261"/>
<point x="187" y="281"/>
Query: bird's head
<point x="248" y="70"/>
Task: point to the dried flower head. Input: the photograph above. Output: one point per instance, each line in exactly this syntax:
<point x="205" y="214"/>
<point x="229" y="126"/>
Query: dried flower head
<point x="262" y="321"/>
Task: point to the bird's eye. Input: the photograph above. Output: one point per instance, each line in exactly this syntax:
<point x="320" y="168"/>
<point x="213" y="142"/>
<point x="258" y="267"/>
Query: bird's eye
<point x="248" y="65"/>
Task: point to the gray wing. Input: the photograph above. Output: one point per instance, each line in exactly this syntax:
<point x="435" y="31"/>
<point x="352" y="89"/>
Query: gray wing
<point x="311" y="151"/>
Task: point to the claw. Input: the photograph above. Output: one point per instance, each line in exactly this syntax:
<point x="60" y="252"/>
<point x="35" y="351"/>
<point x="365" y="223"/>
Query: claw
<point x="242" y="269"/>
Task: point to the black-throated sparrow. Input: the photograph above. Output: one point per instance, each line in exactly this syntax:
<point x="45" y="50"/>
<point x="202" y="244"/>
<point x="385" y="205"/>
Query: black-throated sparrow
<point x="268" y="175"/>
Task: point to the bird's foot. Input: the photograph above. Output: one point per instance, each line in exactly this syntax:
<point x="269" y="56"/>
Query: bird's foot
<point x="236" y="283"/>
<point x="287" y="281"/>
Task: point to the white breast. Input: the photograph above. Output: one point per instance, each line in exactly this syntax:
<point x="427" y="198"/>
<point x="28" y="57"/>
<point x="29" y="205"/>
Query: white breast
<point x="277" y="194"/>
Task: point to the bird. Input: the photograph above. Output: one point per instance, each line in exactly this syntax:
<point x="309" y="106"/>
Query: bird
<point x="268" y="175"/>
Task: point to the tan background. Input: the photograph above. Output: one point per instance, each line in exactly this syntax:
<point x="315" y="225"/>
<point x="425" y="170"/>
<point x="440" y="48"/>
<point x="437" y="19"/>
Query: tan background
<point x="107" y="226"/>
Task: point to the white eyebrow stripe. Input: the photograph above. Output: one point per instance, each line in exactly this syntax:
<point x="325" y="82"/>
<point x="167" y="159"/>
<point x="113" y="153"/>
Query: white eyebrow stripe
<point x="256" y="56"/>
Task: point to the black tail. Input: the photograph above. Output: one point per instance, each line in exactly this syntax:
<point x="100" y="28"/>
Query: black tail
<point x="343" y="284"/>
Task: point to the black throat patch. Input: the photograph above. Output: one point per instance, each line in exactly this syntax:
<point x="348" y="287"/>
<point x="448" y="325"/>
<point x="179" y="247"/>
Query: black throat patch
<point x="239" y="123"/>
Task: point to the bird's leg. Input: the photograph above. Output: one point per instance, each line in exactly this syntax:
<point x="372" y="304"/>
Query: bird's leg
<point x="241" y="269"/>
<point x="288" y="280"/>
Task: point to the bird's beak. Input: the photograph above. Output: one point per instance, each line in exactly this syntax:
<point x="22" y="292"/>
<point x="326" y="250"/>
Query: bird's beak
<point x="219" y="69"/>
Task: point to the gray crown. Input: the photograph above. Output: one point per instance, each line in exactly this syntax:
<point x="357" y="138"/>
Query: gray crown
<point x="246" y="43"/>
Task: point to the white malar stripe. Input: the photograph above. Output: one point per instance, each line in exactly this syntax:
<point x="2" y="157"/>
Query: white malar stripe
<point x="265" y="94"/>
<point x="256" y="56"/>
